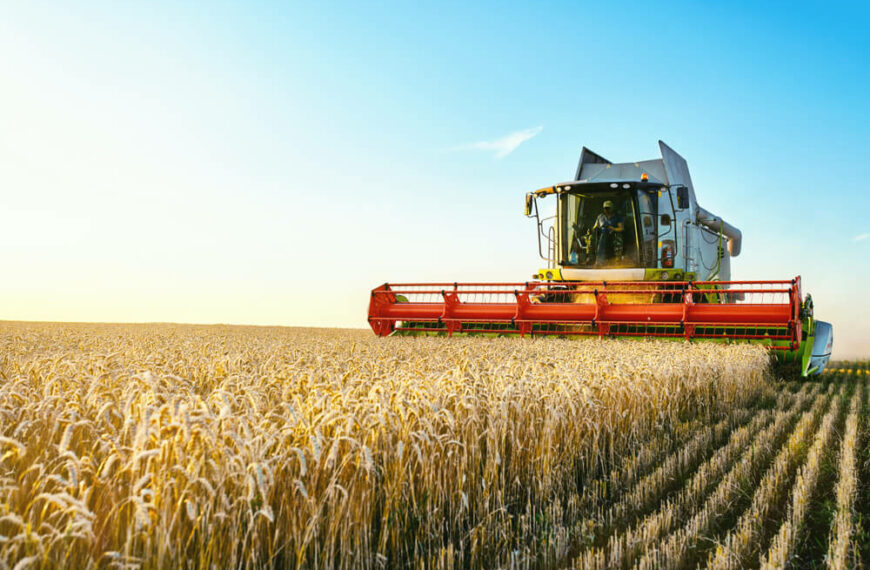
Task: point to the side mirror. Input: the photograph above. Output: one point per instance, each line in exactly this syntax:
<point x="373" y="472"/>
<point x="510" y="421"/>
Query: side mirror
<point x="682" y="197"/>
<point x="529" y="201"/>
<point x="666" y="220"/>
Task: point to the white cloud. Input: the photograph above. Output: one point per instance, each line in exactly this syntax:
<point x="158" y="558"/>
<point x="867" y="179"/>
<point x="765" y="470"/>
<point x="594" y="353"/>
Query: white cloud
<point x="860" y="237"/>
<point x="505" y="145"/>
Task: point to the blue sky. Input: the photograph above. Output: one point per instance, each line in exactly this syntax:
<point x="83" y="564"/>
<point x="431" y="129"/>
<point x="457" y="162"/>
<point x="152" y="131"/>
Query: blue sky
<point x="270" y="163"/>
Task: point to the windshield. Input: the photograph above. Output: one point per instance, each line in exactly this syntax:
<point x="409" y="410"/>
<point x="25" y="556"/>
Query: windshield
<point x="600" y="229"/>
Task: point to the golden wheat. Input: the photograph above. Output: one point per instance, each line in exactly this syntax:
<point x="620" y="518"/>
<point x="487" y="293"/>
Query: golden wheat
<point x="163" y="445"/>
<point x="156" y="446"/>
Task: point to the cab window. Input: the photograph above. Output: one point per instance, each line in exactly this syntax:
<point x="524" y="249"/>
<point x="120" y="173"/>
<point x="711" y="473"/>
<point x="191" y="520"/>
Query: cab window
<point x="592" y="237"/>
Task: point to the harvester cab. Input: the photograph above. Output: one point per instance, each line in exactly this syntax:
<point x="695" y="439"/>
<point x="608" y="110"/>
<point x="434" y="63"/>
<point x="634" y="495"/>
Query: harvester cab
<point x="630" y="253"/>
<point x="664" y="236"/>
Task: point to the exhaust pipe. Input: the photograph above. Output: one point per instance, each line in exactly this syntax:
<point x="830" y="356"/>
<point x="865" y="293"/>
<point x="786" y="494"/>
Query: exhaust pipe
<point x="717" y="224"/>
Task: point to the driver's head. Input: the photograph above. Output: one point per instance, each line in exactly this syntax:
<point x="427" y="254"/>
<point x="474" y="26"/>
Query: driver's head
<point x="608" y="206"/>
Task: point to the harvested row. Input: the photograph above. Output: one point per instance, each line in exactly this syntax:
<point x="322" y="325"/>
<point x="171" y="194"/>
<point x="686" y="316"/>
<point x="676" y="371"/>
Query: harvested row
<point x="785" y="542"/>
<point x="602" y="491"/>
<point x="862" y="500"/>
<point x="747" y="443"/>
<point x="685" y="545"/>
<point x="741" y="544"/>
<point x="841" y="549"/>
<point x="597" y="500"/>
<point x="651" y="489"/>
<point x="606" y="491"/>
<point x="612" y="494"/>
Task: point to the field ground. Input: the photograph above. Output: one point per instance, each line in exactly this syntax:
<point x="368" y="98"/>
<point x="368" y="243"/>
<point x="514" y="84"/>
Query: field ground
<point x="160" y="446"/>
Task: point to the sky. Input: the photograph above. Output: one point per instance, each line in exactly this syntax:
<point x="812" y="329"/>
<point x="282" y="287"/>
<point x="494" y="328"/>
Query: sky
<point x="271" y="163"/>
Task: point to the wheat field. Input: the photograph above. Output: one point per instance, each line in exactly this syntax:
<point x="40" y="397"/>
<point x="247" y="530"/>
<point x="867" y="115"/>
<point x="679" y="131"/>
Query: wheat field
<point x="158" y="446"/>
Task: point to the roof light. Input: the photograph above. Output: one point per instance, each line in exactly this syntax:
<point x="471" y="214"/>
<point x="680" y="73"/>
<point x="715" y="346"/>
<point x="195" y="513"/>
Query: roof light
<point x="626" y="186"/>
<point x="614" y="185"/>
<point x="644" y="177"/>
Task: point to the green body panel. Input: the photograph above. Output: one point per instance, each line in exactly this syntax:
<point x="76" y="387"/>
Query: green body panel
<point x="807" y="346"/>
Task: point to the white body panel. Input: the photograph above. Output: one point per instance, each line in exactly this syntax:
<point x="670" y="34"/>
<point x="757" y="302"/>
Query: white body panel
<point x="704" y="243"/>
<point x="699" y="250"/>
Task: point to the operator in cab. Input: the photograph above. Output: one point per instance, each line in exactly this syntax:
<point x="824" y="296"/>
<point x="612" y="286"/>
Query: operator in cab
<point x="609" y="226"/>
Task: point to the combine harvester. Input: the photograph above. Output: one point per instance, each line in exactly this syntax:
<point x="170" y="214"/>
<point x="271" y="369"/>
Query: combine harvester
<point x="630" y="253"/>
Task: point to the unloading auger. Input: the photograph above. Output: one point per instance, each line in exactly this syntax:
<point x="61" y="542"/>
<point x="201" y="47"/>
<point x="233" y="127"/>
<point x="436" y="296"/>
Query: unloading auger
<point x="629" y="253"/>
